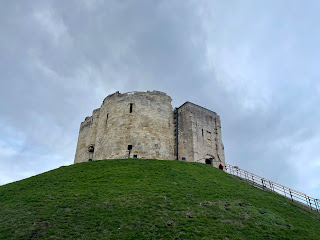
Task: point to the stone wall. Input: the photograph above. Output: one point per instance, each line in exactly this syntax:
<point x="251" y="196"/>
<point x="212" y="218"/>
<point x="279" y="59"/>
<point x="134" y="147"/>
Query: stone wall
<point x="199" y="135"/>
<point x="143" y="120"/>
<point x="87" y="137"/>
<point x="143" y="125"/>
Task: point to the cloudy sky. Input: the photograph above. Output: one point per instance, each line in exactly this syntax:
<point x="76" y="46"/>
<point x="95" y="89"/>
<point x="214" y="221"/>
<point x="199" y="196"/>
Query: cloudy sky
<point x="256" y="63"/>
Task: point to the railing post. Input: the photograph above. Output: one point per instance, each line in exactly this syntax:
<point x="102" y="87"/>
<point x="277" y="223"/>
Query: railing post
<point x="309" y="203"/>
<point x="284" y="191"/>
<point x="271" y="186"/>
<point x="262" y="184"/>
<point x="317" y="204"/>
<point x="290" y="194"/>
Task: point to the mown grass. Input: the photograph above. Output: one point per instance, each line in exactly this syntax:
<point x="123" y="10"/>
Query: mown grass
<point x="147" y="199"/>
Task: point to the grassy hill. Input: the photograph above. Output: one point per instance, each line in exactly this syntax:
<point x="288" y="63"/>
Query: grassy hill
<point x="147" y="199"/>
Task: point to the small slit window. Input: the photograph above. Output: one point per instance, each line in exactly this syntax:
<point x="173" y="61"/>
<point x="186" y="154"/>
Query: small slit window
<point x="202" y="132"/>
<point x="131" y="106"/>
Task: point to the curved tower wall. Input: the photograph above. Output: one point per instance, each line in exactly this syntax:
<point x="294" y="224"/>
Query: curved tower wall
<point x="143" y="120"/>
<point x="87" y="137"/>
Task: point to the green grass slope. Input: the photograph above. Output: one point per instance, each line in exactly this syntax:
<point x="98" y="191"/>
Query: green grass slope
<point x="148" y="199"/>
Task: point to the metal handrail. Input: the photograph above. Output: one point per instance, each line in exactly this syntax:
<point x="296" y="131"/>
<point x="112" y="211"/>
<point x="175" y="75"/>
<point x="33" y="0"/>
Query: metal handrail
<point x="268" y="185"/>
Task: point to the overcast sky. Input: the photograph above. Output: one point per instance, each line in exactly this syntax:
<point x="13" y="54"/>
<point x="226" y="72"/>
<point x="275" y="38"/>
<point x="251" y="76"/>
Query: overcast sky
<point x="255" y="63"/>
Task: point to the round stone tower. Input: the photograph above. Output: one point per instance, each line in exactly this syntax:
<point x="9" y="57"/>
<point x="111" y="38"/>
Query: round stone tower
<point x="129" y="125"/>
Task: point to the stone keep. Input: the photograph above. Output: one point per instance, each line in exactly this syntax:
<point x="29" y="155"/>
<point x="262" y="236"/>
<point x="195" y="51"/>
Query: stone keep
<point x="144" y="125"/>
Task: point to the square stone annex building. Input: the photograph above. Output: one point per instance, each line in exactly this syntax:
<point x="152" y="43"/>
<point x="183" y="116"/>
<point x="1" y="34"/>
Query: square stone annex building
<point x="144" y="125"/>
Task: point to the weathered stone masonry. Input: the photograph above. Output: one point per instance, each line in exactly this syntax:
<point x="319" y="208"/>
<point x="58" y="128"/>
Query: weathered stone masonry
<point x="199" y="135"/>
<point x="144" y="125"/>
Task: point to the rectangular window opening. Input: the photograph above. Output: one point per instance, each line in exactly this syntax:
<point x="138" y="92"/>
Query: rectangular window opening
<point x="202" y="132"/>
<point x="129" y="147"/>
<point x="209" y="161"/>
<point x="135" y="156"/>
<point x="183" y="158"/>
<point x="131" y="104"/>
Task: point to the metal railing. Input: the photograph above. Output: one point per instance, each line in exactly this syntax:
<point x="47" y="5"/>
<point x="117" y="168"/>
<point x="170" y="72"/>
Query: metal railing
<point x="265" y="184"/>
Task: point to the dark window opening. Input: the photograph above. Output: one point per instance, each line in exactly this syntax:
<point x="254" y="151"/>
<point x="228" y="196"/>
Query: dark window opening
<point x="135" y="156"/>
<point x="91" y="149"/>
<point x="131" y="104"/>
<point x="129" y="147"/>
<point x="202" y="132"/>
<point x="90" y="160"/>
<point x="107" y="116"/>
<point x="208" y="161"/>
<point x="183" y="159"/>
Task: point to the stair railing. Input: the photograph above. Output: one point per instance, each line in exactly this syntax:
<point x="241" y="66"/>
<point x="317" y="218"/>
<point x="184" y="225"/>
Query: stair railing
<point x="267" y="185"/>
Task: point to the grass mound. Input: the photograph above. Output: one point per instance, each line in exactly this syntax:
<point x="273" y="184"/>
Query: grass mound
<point x="147" y="199"/>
